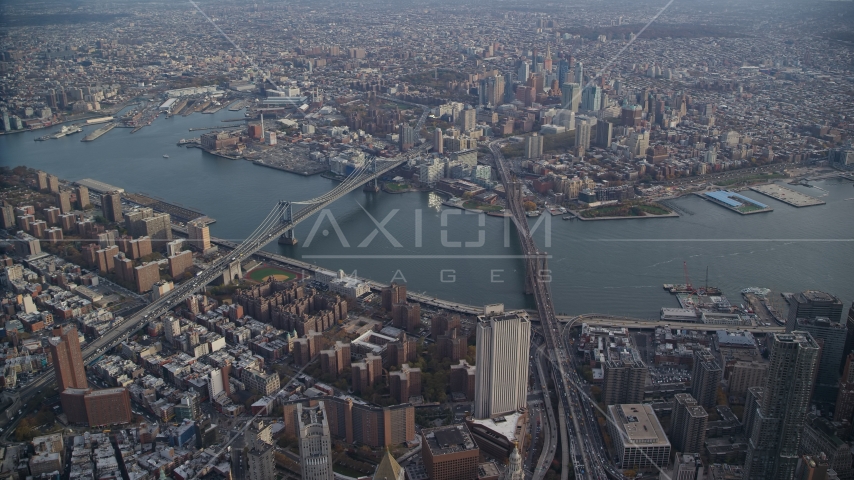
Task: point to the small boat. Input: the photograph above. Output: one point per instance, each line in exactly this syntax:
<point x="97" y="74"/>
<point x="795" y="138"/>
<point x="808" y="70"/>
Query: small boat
<point x="165" y="156"/>
<point x="533" y="213"/>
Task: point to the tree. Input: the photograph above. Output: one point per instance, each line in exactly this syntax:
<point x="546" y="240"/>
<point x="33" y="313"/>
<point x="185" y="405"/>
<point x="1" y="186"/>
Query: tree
<point x="529" y="205"/>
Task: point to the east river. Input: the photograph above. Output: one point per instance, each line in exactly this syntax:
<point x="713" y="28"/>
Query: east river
<point x="615" y="267"/>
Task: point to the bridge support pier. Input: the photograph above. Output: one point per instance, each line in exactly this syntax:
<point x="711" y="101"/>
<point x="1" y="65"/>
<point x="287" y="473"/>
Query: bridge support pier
<point x="372" y="187"/>
<point x="288" y="238"/>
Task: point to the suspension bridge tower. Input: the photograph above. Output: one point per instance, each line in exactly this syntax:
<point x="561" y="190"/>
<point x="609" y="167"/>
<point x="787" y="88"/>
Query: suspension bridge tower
<point x="372" y="185"/>
<point x="288" y="237"/>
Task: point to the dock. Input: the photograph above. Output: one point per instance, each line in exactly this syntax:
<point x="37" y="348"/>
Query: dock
<point x="97" y="133"/>
<point x="736" y="202"/>
<point x="787" y="195"/>
<point x="237" y="106"/>
<point x="177" y="212"/>
<point x="100" y="187"/>
<point x="306" y="172"/>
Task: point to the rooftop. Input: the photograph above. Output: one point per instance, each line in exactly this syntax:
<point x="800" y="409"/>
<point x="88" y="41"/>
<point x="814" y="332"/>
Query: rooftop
<point x="639" y="423"/>
<point x="735" y="337"/>
<point x="449" y="439"/>
<point x="504" y="425"/>
<point x="106" y="391"/>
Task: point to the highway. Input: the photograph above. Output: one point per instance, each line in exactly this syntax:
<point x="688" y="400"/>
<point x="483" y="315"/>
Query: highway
<point x="604" y="320"/>
<point x="550" y="432"/>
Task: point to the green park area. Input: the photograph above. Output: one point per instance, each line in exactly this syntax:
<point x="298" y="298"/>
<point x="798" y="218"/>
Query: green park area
<point x="395" y="187"/>
<point x="748" y="179"/>
<point x="749" y="207"/>
<point x="626" y="210"/>
<point x="262" y="273"/>
<point x="475" y="205"/>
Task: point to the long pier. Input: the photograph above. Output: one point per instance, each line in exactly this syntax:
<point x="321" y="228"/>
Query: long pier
<point x="98" y="133"/>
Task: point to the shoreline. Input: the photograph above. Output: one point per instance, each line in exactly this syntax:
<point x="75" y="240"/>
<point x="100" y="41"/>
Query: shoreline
<point x="286" y="169"/>
<point x="467" y="309"/>
<point x="645" y="217"/>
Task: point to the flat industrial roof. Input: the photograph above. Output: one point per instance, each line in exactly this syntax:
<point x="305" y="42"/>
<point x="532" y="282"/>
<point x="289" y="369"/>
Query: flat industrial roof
<point x="449" y="439"/>
<point x="504" y="425"/>
<point x="640" y="425"/>
<point x="98" y="186"/>
<point x="737" y="337"/>
<point x="733" y="199"/>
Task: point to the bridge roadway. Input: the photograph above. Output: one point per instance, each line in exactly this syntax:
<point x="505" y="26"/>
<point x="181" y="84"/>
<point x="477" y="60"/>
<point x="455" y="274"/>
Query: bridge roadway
<point x="278" y="222"/>
<point x="587" y="462"/>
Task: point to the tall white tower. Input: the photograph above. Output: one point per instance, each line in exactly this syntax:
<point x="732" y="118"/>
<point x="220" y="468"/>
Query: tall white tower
<point x="315" y="443"/>
<point x="501" y="378"/>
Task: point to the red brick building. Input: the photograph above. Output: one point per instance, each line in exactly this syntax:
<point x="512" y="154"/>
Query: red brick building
<point x="110" y="406"/>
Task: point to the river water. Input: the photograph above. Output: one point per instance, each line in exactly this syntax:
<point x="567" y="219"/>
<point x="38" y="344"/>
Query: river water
<point x="615" y="267"/>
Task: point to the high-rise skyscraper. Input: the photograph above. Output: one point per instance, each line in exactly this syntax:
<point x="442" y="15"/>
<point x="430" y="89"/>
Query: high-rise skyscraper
<point x="262" y="463"/>
<point x="67" y="358"/>
<point x="468" y="119"/>
<point x="199" y="235"/>
<point x="491" y="91"/>
<point x="604" y="134"/>
<point x="392" y="295"/>
<point x="407" y="137"/>
<point x="63" y="201"/>
<point x="830" y="334"/>
<point x="547" y="60"/>
<point x="779" y="421"/>
<point x="111" y="205"/>
<point x="438" y="141"/>
<point x="705" y="378"/>
<point x="812" y="304"/>
<point x="501" y="378"/>
<point x="591" y="98"/>
<point x="53" y="183"/>
<point x="688" y="424"/>
<point x="849" y="336"/>
<point x="524" y="72"/>
<point x="83" y="197"/>
<point x="533" y="146"/>
<point x="579" y="73"/>
<point x="562" y="71"/>
<point x="582" y="135"/>
<point x="570" y="96"/>
<point x="844" y="408"/>
<point x="315" y="443"/>
<point x="638" y="143"/>
<point x="624" y="379"/>
<point x="141" y="222"/>
<point x="7" y="216"/>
